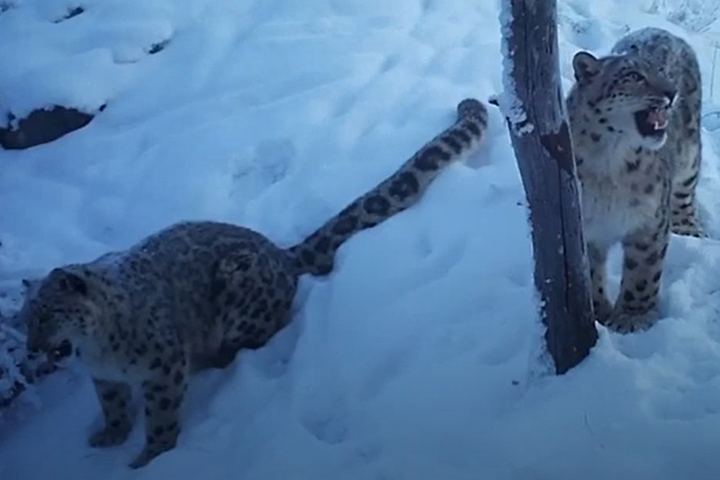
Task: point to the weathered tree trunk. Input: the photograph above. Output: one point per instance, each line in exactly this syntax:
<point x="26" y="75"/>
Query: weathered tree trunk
<point x="534" y="106"/>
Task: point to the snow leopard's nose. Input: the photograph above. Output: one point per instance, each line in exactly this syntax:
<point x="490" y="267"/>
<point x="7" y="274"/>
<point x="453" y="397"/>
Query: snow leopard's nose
<point x="671" y="95"/>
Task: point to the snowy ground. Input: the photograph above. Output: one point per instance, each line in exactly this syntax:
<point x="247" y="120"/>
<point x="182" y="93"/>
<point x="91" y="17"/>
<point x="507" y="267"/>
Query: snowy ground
<point x="418" y="357"/>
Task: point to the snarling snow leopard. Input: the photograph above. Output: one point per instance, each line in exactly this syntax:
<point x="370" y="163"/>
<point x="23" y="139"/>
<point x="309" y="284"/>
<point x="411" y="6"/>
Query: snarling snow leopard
<point x="635" y="123"/>
<point x="196" y="293"/>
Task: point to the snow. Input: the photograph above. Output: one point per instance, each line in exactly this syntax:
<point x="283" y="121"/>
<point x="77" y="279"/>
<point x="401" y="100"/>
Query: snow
<point x="420" y="356"/>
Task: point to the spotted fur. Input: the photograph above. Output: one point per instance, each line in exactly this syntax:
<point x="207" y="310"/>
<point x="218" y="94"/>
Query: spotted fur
<point x="638" y="180"/>
<point x="195" y="293"/>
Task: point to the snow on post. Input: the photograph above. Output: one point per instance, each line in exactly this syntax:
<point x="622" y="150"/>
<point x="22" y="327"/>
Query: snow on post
<point x="534" y="107"/>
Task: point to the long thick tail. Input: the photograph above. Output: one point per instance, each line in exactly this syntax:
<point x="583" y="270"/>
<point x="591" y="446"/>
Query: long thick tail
<point x="316" y="254"/>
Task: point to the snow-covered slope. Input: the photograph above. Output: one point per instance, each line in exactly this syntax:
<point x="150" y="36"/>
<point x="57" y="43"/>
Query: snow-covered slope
<point x="418" y="358"/>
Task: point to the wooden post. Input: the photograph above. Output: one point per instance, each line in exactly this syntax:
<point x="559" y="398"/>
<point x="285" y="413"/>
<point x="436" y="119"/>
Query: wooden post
<point x="534" y="106"/>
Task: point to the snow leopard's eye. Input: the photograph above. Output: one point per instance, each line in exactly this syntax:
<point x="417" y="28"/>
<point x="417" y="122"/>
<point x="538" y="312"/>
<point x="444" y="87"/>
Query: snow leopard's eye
<point x="635" y="77"/>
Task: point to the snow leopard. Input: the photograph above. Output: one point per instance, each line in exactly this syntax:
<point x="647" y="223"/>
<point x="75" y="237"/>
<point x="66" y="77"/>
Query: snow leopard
<point x="635" y="126"/>
<point x="195" y="293"/>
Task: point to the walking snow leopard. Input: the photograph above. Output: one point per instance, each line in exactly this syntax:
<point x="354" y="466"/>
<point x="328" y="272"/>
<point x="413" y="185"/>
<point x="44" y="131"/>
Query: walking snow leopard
<point x="635" y="123"/>
<point x="197" y="292"/>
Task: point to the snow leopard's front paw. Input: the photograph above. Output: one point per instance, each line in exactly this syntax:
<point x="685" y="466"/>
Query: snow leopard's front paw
<point x="149" y="453"/>
<point x="110" y="436"/>
<point x="602" y="308"/>
<point x="622" y="321"/>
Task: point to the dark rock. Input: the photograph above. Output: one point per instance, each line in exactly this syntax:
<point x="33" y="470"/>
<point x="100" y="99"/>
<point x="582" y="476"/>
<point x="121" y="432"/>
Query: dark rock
<point x="72" y="12"/>
<point x="43" y="126"/>
<point x="157" y="47"/>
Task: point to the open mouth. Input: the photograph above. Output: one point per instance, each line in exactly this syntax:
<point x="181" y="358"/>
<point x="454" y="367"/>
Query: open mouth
<point x="652" y="122"/>
<point x="62" y="351"/>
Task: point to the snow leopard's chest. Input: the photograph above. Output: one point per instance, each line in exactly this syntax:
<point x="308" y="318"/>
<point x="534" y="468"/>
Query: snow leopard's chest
<point x="614" y="206"/>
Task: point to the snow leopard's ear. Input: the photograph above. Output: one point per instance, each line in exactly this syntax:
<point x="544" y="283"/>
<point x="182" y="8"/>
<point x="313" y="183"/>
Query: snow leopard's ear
<point x="69" y="281"/>
<point x="586" y="66"/>
<point x="30" y="285"/>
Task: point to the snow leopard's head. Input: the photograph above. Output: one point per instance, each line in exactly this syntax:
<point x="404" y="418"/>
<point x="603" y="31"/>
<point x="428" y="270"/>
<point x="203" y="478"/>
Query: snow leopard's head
<point x="57" y="310"/>
<point x="626" y="95"/>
